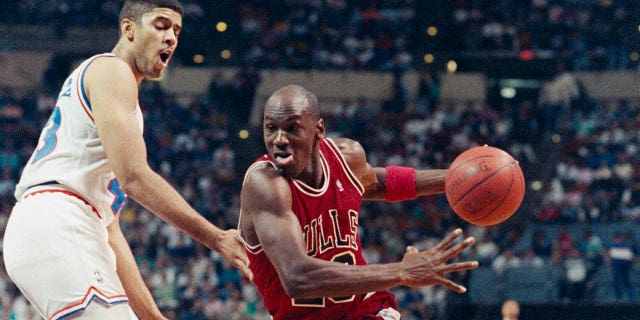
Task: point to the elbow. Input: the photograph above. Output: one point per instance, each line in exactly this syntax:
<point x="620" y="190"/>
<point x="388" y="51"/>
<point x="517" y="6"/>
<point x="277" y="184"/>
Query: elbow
<point x="297" y="284"/>
<point x="130" y="181"/>
<point x="294" y="286"/>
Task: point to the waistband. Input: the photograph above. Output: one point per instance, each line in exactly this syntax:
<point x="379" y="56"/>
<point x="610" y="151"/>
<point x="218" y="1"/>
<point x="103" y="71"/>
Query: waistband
<point x="55" y="187"/>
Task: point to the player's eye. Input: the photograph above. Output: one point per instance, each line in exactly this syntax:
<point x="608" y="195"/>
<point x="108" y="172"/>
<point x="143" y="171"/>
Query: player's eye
<point x="269" y="128"/>
<point x="292" y="128"/>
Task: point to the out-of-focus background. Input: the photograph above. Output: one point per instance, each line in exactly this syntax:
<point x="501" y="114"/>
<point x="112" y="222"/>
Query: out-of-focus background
<point x="554" y="82"/>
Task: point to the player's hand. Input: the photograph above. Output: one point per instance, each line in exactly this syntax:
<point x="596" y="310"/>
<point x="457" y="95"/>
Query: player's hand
<point x="430" y="267"/>
<point x="230" y="246"/>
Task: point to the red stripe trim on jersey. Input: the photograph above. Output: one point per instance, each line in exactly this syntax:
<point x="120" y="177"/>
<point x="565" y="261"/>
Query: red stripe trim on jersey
<point x="80" y="93"/>
<point x="92" y="293"/>
<point x="82" y="96"/>
<point x="69" y="193"/>
<point x="345" y="167"/>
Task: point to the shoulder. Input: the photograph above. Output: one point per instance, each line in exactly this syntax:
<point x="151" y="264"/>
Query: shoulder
<point x="262" y="177"/>
<point x="264" y="188"/>
<point x="109" y="77"/>
<point x="261" y="170"/>
<point x="351" y="150"/>
<point x="109" y="69"/>
<point x="355" y="157"/>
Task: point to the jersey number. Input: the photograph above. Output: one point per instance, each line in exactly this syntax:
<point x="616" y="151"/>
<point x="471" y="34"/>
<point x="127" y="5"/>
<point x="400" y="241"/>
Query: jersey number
<point x="346" y="258"/>
<point x="49" y="138"/>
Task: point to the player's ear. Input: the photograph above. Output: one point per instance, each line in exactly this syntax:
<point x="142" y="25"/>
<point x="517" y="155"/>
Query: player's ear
<point x="320" y="129"/>
<point x="127" y="29"/>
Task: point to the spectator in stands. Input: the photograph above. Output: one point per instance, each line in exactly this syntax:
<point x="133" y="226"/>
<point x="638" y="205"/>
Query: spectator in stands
<point x="541" y="244"/>
<point x="485" y="250"/>
<point x="621" y="258"/>
<point x="397" y="102"/>
<point x="510" y="310"/>
<point x="592" y="249"/>
<point x="564" y="242"/>
<point x="573" y="281"/>
<point x="505" y="260"/>
<point x="530" y="259"/>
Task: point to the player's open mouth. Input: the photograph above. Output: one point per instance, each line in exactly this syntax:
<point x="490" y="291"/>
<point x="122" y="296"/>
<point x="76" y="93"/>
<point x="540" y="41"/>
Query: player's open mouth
<point x="165" y="55"/>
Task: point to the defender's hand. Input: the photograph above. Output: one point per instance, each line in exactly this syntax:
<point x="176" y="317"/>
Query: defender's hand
<point x="230" y="246"/>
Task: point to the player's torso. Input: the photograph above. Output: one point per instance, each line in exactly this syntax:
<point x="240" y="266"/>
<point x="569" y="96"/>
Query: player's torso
<point x="69" y="151"/>
<point x="329" y="218"/>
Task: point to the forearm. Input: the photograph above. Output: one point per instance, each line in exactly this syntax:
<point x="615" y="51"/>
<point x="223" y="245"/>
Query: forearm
<point x="140" y="299"/>
<point x="430" y="181"/>
<point x="427" y="182"/>
<point x="158" y="196"/>
<point x="330" y="279"/>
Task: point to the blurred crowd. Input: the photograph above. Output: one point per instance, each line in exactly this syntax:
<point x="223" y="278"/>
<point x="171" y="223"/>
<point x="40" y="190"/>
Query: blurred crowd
<point x="381" y="34"/>
<point x="579" y="30"/>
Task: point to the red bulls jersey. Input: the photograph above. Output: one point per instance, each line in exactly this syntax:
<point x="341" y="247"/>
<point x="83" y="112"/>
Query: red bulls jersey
<point x="329" y="220"/>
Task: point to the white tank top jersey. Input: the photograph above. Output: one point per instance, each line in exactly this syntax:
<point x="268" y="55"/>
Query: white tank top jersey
<point x="70" y="153"/>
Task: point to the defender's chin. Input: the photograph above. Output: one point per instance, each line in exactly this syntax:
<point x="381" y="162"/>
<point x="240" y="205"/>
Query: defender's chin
<point x="156" y="74"/>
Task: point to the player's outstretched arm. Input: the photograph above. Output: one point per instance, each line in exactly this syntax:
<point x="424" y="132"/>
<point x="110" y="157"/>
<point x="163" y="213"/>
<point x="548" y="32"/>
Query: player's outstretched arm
<point x="267" y="219"/>
<point x="140" y="299"/>
<point x="113" y="94"/>
<point x="391" y="183"/>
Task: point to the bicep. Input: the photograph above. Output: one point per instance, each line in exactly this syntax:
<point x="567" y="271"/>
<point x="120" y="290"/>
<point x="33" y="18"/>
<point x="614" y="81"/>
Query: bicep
<point x="276" y="226"/>
<point x="113" y="95"/>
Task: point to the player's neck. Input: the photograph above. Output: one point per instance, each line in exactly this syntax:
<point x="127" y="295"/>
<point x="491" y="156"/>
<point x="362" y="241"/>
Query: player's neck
<point x="314" y="175"/>
<point x="124" y="55"/>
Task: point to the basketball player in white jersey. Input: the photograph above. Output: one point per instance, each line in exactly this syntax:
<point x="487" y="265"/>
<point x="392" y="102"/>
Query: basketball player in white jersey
<point x="63" y="246"/>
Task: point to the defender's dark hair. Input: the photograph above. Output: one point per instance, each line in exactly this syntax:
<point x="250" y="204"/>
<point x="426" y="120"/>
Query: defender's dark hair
<point x="134" y="9"/>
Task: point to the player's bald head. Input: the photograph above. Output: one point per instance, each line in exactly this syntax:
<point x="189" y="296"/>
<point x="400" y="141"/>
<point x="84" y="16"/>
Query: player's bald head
<point x="295" y="97"/>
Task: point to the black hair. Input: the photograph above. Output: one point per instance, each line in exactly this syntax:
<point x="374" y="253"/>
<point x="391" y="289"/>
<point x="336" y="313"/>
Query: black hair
<point x="134" y="9"/>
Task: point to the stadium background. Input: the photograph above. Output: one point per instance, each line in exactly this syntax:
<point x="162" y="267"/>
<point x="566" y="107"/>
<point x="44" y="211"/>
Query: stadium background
<point x="554" y="82"/>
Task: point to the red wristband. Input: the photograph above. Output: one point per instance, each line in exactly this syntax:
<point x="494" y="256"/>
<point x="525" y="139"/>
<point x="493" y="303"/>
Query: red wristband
<point x="400" y="184"/>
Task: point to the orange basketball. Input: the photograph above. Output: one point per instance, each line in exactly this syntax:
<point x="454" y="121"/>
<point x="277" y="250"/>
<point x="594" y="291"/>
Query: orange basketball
<point x="484" y="185"/>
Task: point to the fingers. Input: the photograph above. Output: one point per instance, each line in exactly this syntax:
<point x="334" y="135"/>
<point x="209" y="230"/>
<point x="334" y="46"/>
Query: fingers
<point x="448" y="240"/>
<point x="459" y="266"/>
<point x="452" y="285"/>
<point x="457" y="249"/>
<point x="411" y="249"/>
<point x="244" y="268"/>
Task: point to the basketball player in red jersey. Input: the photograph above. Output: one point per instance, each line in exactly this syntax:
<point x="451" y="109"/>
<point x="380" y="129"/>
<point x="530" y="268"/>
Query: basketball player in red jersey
<point x="299" y="220"/>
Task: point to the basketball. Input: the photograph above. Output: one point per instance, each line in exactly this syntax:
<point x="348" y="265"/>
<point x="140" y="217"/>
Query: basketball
<point x="484" y="185"/>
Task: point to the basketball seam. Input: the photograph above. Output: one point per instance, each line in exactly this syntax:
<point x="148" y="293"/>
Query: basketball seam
<point x="501" y="200"/>
<point x="482" y="181"/>
<point x="474" y="158"/>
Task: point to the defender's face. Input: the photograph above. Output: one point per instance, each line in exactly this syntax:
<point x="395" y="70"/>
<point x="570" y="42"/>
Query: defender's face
<point x="290" y="134"/>
<point x="155" y="40"/>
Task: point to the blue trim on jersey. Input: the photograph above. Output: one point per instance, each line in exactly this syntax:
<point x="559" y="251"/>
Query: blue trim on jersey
<point x="65" y="316"/>
<point x="82" y="91"/>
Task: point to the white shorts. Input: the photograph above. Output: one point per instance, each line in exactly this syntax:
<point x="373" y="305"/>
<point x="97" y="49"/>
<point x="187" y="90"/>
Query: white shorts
<point x="56" y="252"/>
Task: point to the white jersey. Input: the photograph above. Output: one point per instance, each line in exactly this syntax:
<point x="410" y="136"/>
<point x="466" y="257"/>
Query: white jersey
<point x="70" y="153"/>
